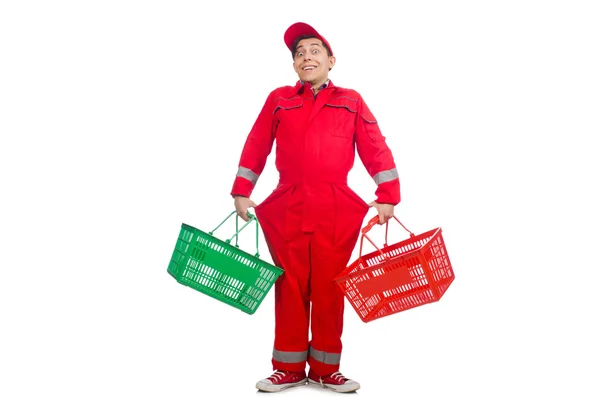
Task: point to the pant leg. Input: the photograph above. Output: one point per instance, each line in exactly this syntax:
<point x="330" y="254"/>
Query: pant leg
<point x="292" y="307"/>
<point x="281" y="220"/>
<point x="330" y="251"/>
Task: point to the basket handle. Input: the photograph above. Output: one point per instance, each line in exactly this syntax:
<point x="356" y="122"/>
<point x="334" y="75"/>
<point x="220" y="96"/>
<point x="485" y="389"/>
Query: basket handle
<point x="238" y="229"/>
<point x="374" y="221"/>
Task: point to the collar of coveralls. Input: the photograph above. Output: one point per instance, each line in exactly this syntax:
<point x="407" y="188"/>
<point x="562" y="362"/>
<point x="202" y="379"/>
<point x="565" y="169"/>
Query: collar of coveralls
<point x="301" y="83"/>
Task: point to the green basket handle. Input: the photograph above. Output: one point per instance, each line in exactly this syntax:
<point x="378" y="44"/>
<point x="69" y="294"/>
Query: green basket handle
<point x="238" y="230"/>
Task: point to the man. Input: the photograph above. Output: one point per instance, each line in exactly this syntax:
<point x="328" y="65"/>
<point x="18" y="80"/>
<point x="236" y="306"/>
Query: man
<point x="312" y="219"/>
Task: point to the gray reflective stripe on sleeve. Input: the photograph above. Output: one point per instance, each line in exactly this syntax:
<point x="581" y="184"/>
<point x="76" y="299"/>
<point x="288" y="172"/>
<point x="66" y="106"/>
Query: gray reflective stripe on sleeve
<point x="247" y="173"/>
<point x="290" y="357"/>
<point x="324" y="357"/>
<point x="385" y="176"/>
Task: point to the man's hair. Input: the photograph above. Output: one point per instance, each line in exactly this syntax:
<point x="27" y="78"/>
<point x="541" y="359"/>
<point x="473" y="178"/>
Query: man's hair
<point x="308" y="37"/>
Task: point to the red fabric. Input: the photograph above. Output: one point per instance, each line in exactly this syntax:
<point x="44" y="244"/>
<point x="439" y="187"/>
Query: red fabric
<point x="311" y="221"/>
<point x="316" y="139"/>
<point x="312" y="241"/>
<point x="302" y="29"/>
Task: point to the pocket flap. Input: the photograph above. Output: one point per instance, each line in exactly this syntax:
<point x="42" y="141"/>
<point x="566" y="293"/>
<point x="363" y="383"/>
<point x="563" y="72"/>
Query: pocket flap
<point x="346" y="102"/>
<point x="286" y="104"/>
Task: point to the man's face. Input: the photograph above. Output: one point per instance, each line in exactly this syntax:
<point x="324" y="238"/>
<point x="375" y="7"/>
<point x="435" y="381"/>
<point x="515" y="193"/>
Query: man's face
<point x="311" y="61"/>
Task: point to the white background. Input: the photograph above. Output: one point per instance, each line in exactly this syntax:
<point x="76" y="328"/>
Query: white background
<point x="120" y="120"/>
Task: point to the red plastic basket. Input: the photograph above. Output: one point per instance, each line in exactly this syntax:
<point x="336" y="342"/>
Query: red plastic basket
<point x="398" y="277"/>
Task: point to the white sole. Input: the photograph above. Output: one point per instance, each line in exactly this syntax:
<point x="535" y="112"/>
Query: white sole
<point x="338" y="389"/>
<point x="275" y="388"/>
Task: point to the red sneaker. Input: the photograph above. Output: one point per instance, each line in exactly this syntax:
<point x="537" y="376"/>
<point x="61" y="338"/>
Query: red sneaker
<point x="281" y="380"/>
<point x="336" y="382"/>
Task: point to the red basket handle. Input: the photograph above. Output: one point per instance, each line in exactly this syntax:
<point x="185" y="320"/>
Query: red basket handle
<point x="374" y="221"/>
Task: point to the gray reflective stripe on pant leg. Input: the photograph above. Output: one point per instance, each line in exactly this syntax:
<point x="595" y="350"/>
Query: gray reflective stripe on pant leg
<point x="385" y="176"/>
<point x="248" y="174"/>
<point x="324" y="357"/>
<point x="290" y="357"/>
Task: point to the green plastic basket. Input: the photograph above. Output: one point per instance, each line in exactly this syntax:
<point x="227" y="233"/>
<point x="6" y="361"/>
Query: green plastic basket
<point x="222" y="270"/>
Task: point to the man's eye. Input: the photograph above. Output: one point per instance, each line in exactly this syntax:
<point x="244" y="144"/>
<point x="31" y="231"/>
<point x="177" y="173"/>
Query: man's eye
<point x="299" y="54"/>
<point x="315" y="51"/>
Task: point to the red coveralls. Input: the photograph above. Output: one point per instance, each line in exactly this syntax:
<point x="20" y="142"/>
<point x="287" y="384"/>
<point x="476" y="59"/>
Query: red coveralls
<point x="312" y="219"/>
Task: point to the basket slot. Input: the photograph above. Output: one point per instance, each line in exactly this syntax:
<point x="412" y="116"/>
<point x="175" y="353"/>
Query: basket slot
<point x="437" y="257"/>
<point x="402" y="303"/>
<point x="205" y="276"/>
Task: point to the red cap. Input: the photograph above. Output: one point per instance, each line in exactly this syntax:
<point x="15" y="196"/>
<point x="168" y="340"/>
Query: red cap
<point x="302" y="29"/>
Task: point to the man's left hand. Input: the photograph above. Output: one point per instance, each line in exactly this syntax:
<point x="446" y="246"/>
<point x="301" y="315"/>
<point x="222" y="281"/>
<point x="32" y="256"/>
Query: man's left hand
<point x="385" y="211"/>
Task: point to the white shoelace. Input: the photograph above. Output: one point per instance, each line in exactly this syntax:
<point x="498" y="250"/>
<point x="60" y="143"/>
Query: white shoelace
<point x="336" y="376"/>
<point x="277" y="375"/>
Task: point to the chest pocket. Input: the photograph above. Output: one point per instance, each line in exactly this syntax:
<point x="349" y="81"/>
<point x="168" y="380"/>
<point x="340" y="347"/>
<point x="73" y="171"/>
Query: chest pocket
<point x="286" y="104"/>
<point x="285" y="109"/>
<point x="342" y="113"/>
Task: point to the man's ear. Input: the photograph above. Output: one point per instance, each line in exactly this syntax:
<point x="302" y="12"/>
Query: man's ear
<point x="331" y="62"/>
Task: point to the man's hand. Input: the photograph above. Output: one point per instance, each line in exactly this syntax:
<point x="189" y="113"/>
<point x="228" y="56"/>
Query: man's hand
<point x="241" y="206"/>
<point x="385" y="211"/>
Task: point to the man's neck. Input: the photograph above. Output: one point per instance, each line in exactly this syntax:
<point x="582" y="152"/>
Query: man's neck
<point x="319" y="86"/>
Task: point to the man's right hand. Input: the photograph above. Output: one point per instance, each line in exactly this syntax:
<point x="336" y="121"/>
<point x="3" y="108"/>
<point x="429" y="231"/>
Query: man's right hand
<point x="241" y="206"/>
